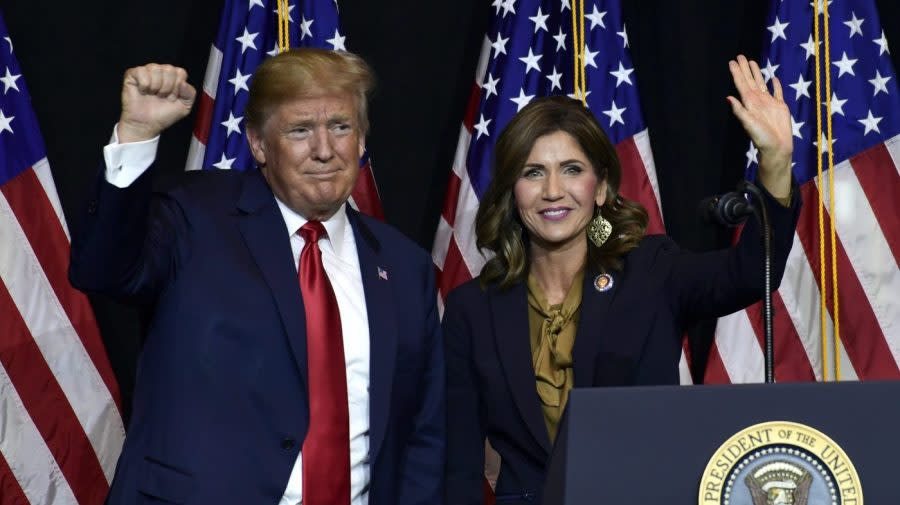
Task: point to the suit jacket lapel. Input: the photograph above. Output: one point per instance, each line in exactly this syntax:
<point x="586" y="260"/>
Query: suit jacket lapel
<point x="381" y="313"/>
<point x="264" y="233"/>
<point x="509" y="314"/>
<point x="591" y="319"/>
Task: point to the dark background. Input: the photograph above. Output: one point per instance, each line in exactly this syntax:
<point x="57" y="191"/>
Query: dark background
<point x="73" y="55"/>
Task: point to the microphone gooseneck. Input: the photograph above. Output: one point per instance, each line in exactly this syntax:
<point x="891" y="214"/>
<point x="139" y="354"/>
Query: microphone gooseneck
<point x="732" y="209"/>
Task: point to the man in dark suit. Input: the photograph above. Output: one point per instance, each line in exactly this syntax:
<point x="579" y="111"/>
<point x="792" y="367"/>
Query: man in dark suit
<point x="295" y="351"/>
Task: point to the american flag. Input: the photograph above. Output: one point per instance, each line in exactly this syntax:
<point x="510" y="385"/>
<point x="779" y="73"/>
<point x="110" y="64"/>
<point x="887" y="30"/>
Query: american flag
<point x="865" y="115"/>
<point x="529" y="52"/>
<point x="61" y="429"/>
<point x="248" y="33"/>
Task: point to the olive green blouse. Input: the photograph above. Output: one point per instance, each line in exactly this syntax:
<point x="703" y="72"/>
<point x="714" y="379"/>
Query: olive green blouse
<point x="552" y="330"/>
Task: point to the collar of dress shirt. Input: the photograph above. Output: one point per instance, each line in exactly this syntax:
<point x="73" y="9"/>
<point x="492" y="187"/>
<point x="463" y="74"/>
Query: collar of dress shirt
<point x="335" y="226"/>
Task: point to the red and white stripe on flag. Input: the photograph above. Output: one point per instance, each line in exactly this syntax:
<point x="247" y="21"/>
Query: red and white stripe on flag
<point x="58" y="408"/>
<point x="61" y="430"/>
<point x="868" y="246"/>
<point x="499" y="79"/>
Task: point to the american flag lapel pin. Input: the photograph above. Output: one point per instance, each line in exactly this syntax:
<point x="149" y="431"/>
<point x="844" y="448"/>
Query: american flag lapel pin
<point x="382" y="274"/>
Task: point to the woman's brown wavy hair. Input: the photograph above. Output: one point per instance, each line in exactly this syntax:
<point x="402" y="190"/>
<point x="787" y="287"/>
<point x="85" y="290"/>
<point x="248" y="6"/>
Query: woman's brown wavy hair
<point x="498" y="228"/>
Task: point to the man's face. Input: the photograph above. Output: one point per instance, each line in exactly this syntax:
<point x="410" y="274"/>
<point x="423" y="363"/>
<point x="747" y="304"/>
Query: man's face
<point x="309" y="150"/>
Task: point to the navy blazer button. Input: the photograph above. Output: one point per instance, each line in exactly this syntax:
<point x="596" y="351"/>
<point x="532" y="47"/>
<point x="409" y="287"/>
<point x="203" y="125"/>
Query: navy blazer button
<point x="287" y="444"/>
<point x="92" y="207"/>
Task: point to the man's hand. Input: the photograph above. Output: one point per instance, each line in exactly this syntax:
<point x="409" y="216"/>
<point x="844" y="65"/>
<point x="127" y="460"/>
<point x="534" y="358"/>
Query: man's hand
<point x="767" y="120"/>
<point x="153" y="98"/>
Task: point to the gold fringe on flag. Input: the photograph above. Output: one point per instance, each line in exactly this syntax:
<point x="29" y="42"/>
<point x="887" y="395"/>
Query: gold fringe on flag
<point x="284" y="34"/>
<point x="827" y="140"/>
<point x="578" y="46"/>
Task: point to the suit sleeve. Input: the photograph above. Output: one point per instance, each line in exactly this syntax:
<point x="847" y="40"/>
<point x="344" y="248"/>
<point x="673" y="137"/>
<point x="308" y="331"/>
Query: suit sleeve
<point x="721" y="282"/>
<point x="423" y="467"/>
<point x="126" y="242"/>
<point x="466" y="431"/>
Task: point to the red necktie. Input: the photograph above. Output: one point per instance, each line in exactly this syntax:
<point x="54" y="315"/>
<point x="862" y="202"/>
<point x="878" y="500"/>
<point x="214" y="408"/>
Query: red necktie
<point x="326" y="449"/>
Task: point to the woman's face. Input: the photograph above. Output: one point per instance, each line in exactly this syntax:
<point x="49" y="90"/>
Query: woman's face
<point x="556" y="193"/>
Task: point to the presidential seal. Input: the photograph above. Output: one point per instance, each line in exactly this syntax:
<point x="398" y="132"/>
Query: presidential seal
<point x="780" y="463"/>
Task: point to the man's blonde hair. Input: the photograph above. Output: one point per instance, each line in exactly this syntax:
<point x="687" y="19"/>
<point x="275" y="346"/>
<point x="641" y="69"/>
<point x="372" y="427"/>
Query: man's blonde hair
<point x="308" y="72"/>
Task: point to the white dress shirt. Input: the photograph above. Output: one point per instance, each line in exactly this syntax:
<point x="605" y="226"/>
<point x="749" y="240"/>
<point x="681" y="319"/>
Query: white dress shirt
<point x="342" y="267"/>
<point x="126" y="162"/>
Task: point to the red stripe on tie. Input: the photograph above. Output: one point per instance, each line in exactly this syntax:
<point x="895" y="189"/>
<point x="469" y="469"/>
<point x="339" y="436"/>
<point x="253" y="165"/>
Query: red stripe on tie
<point x="48" y="406"/>
<point x="41" y="225"/>
<point x="636" y="183"/>
<point x="791" y="362"/>
<point x="204" y="118"/>
<point x="880" y="181"/>
<point x="860" y="332"/>
<point x="715" y="372"/>
<point x="10" y="490"/>
<point x="455" y="271"/>
<point x="472" y="107"/>
<point x="451" y="199"/>
<point x="365" y="193"/>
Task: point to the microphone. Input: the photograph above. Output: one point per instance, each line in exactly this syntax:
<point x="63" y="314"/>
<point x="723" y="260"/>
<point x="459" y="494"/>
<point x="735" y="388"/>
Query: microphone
<point x="730" y="209"/>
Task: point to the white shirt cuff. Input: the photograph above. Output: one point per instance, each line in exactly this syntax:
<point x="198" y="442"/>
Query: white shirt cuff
<point x="126" y="162"/>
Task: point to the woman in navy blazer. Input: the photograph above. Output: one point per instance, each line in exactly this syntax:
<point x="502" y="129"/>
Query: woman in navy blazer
<point x="552" y="217"/>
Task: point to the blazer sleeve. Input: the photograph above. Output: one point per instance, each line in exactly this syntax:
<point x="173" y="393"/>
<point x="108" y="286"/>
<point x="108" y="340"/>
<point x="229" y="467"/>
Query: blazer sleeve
<point x="721" y="282"/>
<point x="466" y="428"/>
<point x="126" y="243"/>
<point x="423" y="466"/>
